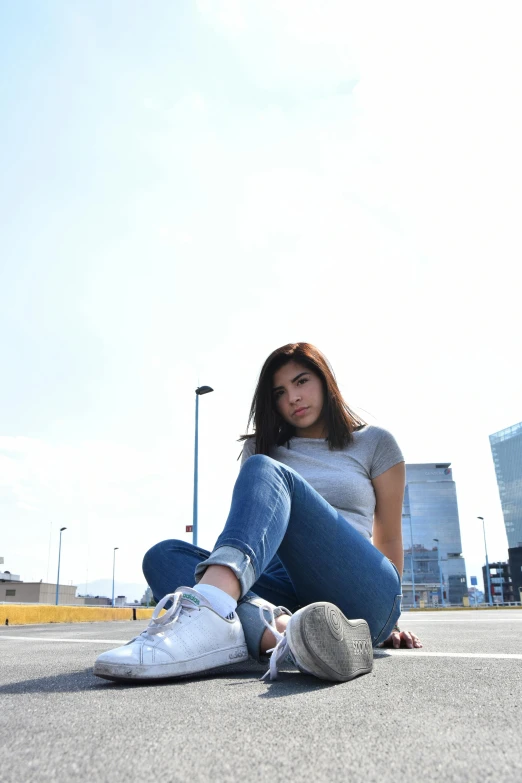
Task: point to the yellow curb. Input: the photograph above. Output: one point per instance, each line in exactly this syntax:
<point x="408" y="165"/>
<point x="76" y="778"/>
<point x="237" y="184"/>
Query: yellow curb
<point x="146" y="614"/>
<point x="17" y="614"/>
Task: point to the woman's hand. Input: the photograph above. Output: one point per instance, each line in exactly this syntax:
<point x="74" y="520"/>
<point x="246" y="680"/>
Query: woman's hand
<point x="401" y="639"/>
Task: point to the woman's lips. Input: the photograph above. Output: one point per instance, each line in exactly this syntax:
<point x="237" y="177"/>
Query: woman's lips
<point x="300" y="411"/>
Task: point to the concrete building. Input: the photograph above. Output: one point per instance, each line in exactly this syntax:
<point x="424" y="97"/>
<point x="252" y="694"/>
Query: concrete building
<point x="433" y="562"/>
<point x="95" y="600"/>
<point x="38" y="593"/>
<point x="506" y="448"/>
<point x="14" y="590"/>
<point x="17" y="592"/>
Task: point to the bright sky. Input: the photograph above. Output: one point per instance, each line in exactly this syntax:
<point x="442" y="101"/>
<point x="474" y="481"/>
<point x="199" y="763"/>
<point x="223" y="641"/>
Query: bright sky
<point x="187" y="186"/>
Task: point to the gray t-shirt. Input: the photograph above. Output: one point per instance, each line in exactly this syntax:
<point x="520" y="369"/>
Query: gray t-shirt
<point x="343" y="478"/>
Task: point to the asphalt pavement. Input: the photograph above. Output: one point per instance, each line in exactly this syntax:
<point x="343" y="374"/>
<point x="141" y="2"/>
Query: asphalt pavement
<point x="449" y="712"/>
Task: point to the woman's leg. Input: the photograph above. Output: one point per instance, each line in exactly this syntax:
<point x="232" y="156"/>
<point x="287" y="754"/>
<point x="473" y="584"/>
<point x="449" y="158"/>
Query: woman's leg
<point x="172" y="563"/>
<point x="274" y="510"/>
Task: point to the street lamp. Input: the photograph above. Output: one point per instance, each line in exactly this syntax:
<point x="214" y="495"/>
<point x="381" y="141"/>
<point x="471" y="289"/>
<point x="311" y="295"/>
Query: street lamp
<point x="200" y="390"/>
<point x="113" y="568"/>
<point x="440" y="573"/>
<point x="487" y="563"/>
<point x="59" y="555"/>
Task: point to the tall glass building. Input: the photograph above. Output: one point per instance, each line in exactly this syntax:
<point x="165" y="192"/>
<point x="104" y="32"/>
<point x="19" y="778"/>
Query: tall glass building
<point x="434" y="570"/>
<point x="506" y="447"/>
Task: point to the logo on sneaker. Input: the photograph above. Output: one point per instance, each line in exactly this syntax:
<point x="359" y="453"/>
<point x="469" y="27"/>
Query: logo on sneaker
<point x="361" y="646"/>
<point x="240" y="653"/>
<point x="192" y="598"/>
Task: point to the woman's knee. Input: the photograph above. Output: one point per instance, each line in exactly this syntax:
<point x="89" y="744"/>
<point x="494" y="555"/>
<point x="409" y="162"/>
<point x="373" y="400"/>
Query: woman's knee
<point x="260" y="462"/>
<point x="166" y="553"/>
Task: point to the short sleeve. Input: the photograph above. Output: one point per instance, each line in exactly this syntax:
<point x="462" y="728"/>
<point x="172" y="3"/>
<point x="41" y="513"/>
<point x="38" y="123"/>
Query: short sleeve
<point x="387" y="454"/>
<point x="249" y="448"/>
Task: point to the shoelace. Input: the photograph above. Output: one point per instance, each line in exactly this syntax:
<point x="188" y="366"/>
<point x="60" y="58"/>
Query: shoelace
<point x="281" y="650"/>
<point x="159" y="624"/>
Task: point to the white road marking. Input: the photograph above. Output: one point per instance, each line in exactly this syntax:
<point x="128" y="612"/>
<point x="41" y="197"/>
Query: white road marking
<point x="381" y="653"/>
<point x="416" y="653"/>
<point x="74" y="641"/>
<point x="460" y="611"/>
<point x="431" y="619"/>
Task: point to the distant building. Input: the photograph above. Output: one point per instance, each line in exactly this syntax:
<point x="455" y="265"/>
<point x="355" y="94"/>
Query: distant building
<point x="7" y="576"/>
<point x="515" y="568"/>
<point x="506" y="447"/>
<point x="476" y="596"/>
<point x="147" y="596"/>
<point x="39" y="593"/>
<point x="17" y="592"/>
<point x="501" y="584"/>
<point x="95" y="600"/>
<point x="430" y="512"/>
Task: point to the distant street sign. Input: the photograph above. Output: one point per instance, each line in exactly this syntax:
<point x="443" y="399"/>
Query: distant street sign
<point x="188" y="529"/>
<point x="474" y="580"/>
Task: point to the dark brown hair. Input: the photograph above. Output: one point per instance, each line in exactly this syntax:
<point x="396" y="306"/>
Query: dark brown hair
<point x="270" y="427"/>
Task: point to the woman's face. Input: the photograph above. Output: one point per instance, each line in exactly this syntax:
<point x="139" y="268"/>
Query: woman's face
<point x="298" y="396"/>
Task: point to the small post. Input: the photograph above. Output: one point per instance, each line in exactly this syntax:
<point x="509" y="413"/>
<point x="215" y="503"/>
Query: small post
<point x="59" y="556"/>
<point x="113" y="570"/>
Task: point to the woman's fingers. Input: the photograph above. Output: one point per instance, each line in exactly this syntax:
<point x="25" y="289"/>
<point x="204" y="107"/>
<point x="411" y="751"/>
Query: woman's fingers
<point x="393" y="640"/>
<point x="402" y="639"/>
<point x="409" y="640"/>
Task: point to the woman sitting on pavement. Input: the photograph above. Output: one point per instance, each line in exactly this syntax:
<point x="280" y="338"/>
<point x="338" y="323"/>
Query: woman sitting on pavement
<point x="313" y="538"/>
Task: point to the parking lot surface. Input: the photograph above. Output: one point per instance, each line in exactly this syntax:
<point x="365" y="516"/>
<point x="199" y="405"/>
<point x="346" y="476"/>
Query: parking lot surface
<point x="448" y="712"/>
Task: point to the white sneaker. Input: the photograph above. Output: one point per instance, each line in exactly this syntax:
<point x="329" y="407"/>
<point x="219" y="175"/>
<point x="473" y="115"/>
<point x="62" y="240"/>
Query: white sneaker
<point x="321" y="641"/>
<point x="188" y="639"/>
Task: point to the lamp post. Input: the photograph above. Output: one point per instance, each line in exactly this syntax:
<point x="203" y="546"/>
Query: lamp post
<point x="487" y="563"/>
<point x="200" y="390"/>
<point x="440" y="573"/>
<point x="113" y="569"/>
<point x="59" y="556"/>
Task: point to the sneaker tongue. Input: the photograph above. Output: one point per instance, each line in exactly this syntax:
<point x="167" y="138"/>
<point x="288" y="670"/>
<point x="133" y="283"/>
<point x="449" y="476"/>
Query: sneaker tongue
<point x="192" y="598"/>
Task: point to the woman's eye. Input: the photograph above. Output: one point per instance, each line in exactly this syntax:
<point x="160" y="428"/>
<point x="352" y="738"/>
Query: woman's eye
<point x="302" y="380"/>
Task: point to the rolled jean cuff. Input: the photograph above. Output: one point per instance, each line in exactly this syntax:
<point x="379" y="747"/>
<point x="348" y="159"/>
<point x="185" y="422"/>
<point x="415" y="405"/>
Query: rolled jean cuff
<point x="232" y="558"/>
<point x="253" y="626"/>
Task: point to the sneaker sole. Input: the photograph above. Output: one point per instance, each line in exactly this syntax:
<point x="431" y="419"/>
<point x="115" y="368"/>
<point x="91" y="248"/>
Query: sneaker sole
<point x="162" y="671"/>
<point x="328" y="645"/>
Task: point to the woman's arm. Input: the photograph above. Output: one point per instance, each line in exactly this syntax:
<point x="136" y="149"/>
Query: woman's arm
<point x="387" y="520"/>
<point x="387" y="534"/>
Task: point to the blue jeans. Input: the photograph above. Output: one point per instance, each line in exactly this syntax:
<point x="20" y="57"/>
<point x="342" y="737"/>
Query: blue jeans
<point x="287" y="546"/>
